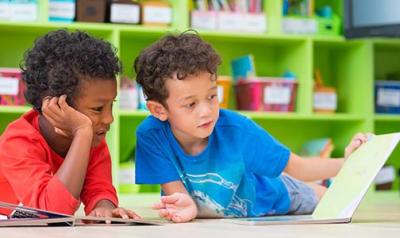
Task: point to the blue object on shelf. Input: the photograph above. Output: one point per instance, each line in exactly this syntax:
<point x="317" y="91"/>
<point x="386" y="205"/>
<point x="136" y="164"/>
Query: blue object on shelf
<point x="243" y="67"/>
<point x="387" y="96"/>
<point x="289" y="75"/>
<point x="325" y="11"/>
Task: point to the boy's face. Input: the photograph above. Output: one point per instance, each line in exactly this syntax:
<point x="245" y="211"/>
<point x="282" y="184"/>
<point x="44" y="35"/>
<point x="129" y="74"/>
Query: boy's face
<point x="193" y="107"/>
<point x="95" y="99"/>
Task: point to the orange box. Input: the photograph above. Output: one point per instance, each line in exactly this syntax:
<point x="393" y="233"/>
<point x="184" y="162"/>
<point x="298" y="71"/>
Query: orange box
<point x="157" y="13"/>
<point x="224" y="88"/>
<point x="325" y="99"/>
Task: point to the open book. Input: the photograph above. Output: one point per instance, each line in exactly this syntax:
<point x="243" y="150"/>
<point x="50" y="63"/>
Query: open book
<point x="27" y="216"/>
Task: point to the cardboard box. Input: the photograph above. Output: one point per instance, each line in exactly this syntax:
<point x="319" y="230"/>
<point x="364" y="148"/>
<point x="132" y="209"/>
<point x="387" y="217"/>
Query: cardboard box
<point x="91" y="10"/>
<point x="11" y="87"/>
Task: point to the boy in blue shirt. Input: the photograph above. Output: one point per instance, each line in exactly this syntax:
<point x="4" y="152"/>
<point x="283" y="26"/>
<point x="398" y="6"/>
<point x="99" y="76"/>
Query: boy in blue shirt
<point x="212" y="162"/>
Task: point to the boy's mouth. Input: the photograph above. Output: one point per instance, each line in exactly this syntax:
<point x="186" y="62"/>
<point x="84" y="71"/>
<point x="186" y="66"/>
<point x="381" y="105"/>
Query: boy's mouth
<point x="102" y="132"/>
<point x="205" y="125"/>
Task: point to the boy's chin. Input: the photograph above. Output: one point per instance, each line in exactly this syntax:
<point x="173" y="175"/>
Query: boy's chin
<point x="95" y="142"/>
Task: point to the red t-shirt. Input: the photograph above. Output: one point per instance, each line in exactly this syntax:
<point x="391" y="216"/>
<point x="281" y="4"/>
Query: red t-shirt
<point x="28" y="165"/>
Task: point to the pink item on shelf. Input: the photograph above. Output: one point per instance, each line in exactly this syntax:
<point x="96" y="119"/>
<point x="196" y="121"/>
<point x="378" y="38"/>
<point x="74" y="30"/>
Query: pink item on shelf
<point x="266" y="94"/>
<point x="11" y="87"/>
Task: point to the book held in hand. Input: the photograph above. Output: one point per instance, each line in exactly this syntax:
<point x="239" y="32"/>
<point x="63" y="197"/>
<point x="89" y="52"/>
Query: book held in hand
<point x="27" y="216"/>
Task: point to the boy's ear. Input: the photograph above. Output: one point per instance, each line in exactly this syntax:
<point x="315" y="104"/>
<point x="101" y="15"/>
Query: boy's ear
<point x="157" y="110"/>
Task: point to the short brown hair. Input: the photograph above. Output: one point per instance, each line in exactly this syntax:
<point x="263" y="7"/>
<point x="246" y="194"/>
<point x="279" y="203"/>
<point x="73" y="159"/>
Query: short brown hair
<point x="183" y="54"/>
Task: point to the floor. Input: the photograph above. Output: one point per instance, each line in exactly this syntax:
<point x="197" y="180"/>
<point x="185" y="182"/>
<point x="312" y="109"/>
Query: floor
<point x="377" y="216"/>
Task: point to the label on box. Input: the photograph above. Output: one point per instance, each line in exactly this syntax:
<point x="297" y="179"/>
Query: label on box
<point x="388" y="97"/>
<point x="294" y="25"/>
<point x="9" y="86"/>
<point x="125" y="13"/>
<point x="254" y="23"/>
<point x="276" y="95"/>
<point x="4" y="11"/>
<point x="325" y="101"/>
<point x="220" y="93"/>
<point x="23" y="11"/>
<point x="206" y="20"/>
<point x="229" y="21"/>
<point x="385" y="175"/>
<point x="157" y="15"/>
<point x="64" y="9"/>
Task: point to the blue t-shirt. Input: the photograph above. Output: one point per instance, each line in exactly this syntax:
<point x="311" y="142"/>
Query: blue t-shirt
<point x="236" y="175"/>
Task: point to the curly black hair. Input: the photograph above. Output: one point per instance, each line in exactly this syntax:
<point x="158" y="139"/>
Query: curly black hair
<point x="60" y="59"/>
<point x="181" y="55"/>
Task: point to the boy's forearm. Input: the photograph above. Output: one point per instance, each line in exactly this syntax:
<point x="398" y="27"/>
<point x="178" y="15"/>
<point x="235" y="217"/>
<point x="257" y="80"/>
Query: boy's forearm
<point x="72" y="172"/>
<point x="317" y="168"/>
<point x="311" y="169"/>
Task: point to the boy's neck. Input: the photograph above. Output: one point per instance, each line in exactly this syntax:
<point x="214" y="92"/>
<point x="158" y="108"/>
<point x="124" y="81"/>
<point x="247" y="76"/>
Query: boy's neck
<point x="191" y="146"/>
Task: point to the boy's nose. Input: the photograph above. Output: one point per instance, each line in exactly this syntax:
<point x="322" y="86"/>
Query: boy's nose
<point x="205" y="110"/>
<point x="108" y="118"/>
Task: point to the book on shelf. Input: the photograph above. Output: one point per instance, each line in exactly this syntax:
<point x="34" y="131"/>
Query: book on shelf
<point x="27" y="216"/>
<point x="243" y="67"/>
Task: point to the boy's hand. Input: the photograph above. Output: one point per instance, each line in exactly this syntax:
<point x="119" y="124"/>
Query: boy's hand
<point x="114" y="212"/>
<point x="356" y="141"/>
<point x="105" y="208"/>
<point x="66" y="120"/>
<point x="178" y="207"/>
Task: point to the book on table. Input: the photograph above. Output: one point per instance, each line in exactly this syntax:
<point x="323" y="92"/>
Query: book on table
<point x="28" y="216"/>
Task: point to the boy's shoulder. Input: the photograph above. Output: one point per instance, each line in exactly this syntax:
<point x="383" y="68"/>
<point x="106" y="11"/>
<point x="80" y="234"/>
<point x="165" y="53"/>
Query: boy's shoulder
<point x="24" y="129"/>
<point x="25" y="125"/>
<point x="150" y="123"/>
<point x="229" y="118"/>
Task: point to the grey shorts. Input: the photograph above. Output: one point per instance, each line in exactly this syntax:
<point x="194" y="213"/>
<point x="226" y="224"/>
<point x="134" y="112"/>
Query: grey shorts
<point x="303" y="199"/>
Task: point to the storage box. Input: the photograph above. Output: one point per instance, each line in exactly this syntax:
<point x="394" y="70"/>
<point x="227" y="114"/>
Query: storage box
<point x="299" y="25"/>
<point x="124" y="11"/>
<point x="266" y="94"/>
<point x="23" y="10"/>
<point x="62" y="10"/>
<point x="329" y="26"/>
<point x="325" y="99"/>
<point x="11" y="87"/>
<point x="204" y="20"/>
<point x="224" y="87"/>
<point x="387" y="96"/>
<point x="91" y="10"/>
<point x="157" y="13"/>
<point x="385" y="178"/>
<point x="229" y="21"/>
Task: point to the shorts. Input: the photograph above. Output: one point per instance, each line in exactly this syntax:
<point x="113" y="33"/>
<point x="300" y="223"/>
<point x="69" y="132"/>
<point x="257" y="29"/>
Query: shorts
<point x="303" y="199"/>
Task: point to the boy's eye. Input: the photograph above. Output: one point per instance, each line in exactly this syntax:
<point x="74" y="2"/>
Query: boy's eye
<point x="190" y="105"/>
<point x="211" y="97"/>
<point x="97" y="109"/>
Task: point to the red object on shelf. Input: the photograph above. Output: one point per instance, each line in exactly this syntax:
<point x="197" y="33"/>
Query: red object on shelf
<point x="11" y="87"/>
<point x="266" y="94"/>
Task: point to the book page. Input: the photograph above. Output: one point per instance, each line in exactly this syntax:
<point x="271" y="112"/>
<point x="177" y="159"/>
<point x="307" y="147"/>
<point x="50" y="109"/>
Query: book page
<point x="355" y="177"/>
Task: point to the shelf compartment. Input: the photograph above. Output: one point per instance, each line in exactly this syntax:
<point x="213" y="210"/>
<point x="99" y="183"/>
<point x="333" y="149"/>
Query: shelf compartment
<point x="346" y="66"/>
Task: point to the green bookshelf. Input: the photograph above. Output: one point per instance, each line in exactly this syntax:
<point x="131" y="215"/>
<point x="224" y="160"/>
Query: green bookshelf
<point x="350" y="66"/>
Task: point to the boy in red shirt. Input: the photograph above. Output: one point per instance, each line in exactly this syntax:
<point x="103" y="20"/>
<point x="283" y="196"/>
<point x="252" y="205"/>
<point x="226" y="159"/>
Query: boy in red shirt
<point x="55" y="156"/>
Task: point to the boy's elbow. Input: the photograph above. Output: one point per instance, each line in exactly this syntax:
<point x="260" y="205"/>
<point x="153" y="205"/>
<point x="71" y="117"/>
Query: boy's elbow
<point x="294" y="166"/>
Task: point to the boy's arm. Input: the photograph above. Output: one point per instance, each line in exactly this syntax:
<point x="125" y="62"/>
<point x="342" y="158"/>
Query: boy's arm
<point x="321" y="168"/>
<point x="177" y="205"/>
<point x="311" y="169"/>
